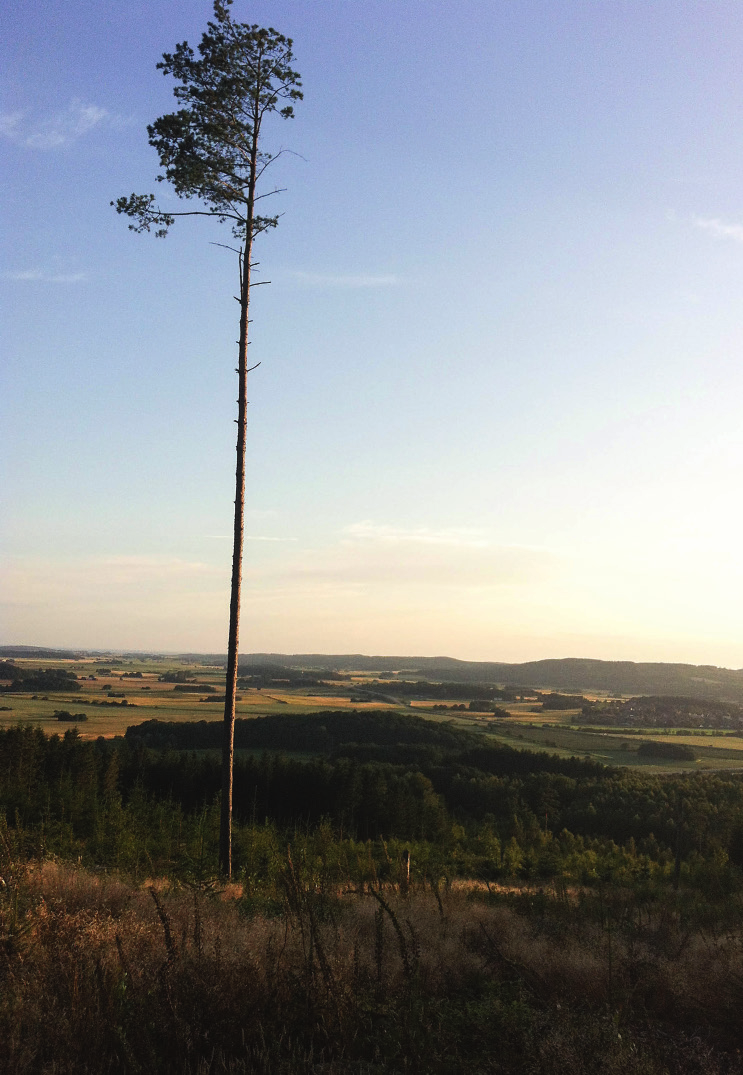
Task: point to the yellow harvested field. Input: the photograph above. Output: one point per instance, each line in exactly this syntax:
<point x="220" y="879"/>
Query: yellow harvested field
<point x="725" y="742"/>
<point x="550" y="716"/>
<point x="148" y="699"/>
<point x="268" y="697"/>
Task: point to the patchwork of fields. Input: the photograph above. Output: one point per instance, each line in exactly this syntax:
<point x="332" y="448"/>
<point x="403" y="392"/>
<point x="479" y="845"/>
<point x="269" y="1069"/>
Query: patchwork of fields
<point x="113" y="696"/>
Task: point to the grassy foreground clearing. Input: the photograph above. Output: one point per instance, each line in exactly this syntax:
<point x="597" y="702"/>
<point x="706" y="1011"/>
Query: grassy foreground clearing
<point x="100" y="974"/>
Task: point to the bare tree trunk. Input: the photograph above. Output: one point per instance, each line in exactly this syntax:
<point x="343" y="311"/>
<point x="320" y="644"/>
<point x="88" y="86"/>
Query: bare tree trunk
<point x="228" y="745"/>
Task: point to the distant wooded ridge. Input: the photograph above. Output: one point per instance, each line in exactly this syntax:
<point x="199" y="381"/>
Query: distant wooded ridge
<point x="573" y="674"/>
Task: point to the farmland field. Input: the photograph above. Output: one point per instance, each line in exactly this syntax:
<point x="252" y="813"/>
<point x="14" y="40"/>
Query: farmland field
<point x="114" y="694"/>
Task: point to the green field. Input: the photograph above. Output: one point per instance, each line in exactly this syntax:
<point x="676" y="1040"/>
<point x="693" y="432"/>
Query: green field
<point x="137" y="683"/>
<point x="617" y="747"/>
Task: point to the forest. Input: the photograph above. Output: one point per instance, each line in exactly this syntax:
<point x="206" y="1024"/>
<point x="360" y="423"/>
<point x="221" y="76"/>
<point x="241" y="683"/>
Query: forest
<point x="409" y="895"/>
<point x="465" y="807"/>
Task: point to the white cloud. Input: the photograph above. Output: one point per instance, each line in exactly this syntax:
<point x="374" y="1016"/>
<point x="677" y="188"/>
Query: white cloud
<point x="37" y="580"/>
<point x="368" y="554"/>
<point x="352" y="593"/>
<point x="9" y="125"/>
<point x="130" y="567"/>
<point x="315" y="279"/>
<point x="44" y="276"/>
<point x="56" y="130"/>
<point x="422" y="535"/>
<point x="264" y="537"/>
<point x="719" y="229"/>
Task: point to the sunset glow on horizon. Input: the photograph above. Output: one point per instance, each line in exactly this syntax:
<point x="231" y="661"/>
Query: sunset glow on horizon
<point x="497" y="414"/>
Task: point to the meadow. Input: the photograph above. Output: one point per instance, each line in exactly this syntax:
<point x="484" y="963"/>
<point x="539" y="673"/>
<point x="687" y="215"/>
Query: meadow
<point x="151" y="697"/>
<point x="100" y="974"/>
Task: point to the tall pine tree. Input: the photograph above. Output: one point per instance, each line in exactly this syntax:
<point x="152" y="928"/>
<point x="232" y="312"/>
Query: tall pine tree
<point x="211" y="151"/>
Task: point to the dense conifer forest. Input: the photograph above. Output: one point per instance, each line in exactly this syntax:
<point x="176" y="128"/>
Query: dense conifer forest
<point x="408" y="896"/>
<point x="473" y="808"/>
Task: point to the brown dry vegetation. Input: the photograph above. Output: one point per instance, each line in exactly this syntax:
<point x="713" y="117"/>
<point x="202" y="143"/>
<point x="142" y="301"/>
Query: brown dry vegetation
<point x="101" y="975"/>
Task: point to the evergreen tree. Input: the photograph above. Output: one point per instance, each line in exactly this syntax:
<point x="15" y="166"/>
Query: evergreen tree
<point x="211" y="150"/>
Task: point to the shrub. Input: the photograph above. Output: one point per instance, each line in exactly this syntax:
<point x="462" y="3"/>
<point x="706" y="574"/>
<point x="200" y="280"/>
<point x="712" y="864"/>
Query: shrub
<point x="654" y="748"/>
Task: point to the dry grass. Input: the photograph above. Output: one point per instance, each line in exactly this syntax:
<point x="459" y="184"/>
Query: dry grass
<point x="101" y="975"/>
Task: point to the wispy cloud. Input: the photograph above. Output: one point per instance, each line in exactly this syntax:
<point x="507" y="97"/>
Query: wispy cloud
<point x="116" y="580"/>
<point x="368" y="554"/>
<point x="131" y="566"/>
<point x="43" y="276"/>
<point x="10" y="124"/>
<point x="433" y="568"/>
<point x="462" y="537"/>
<point x="265" y="537"/>
<point x="316" y="279"/>
<point x="56" y="130"/>
<point x="719" y="228"/>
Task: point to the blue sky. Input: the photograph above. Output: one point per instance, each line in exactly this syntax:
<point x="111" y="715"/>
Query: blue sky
<point x="498" y="408"/>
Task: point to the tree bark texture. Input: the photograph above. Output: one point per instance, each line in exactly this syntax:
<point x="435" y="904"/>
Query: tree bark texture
<point x="233" y="642"/>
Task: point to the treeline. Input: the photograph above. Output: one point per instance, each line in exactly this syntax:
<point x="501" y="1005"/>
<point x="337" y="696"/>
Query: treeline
<point x="27" y="679"/>
<point x="475" y="809"/>
<point x="440" y="777"/>
<point x="659" y="749"/>
<point x="318" y="733"/>
<point x="562" y="701"/>
<point x="423" y="688"/>
<point x="252" y="674"/>
<point x="573" y="675"/>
